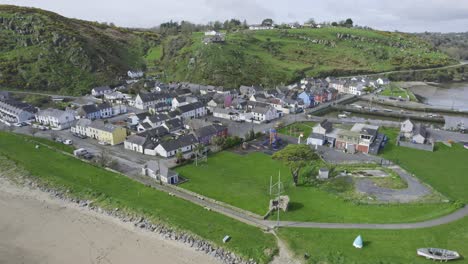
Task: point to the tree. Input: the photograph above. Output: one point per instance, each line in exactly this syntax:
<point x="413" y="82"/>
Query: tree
<point x="311" y="21"/>
<point x="267" y="22"/>
<point x="179" y="156"/>
<point x="348" y="22"/>
<point x="296" y="157"/>
<point x="104" y="159"/>
<point x="334" y="24"/>
<point x="217" y="25"/>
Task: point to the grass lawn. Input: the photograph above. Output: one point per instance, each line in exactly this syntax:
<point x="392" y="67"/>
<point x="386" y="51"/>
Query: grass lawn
<point x="380" y="246"/>
<point x="396" y="91"/>
<point x="243" y="181"/>
<point x="445" y="169"/>
<point x="112" y="190"/>
<point x="297" y="128"/>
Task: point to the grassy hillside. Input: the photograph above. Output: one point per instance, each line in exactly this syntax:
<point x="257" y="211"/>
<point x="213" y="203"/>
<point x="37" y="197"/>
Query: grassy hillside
<point x="40" y="50"/>
<point x="281" y="56"/>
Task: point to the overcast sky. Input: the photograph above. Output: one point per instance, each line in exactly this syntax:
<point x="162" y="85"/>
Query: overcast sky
<point x="407" y="15"/>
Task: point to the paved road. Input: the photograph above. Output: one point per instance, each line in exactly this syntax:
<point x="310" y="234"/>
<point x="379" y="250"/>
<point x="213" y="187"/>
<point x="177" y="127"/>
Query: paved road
<point x="417" y="70"/>
<point x="44" y="94"/>
<point x="463" y="212"/>
<point x="415" y="190"/>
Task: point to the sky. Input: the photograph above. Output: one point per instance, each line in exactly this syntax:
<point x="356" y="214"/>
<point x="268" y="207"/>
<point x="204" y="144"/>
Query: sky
<point x="407" y="15"/>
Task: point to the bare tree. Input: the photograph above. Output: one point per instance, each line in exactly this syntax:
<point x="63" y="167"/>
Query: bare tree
<point x="104" y="158"/>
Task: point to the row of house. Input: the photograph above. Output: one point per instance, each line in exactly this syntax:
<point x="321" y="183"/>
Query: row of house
<point x="100" y="130"/>
<point x="360" y="138"/>
<point x="12" y="111"/>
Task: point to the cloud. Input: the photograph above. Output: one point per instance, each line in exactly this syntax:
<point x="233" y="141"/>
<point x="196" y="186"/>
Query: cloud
<point x="409" y="15"/>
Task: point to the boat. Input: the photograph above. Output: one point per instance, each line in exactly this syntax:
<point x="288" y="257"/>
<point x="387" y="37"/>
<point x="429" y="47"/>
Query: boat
<point x="342" y="116"/>
<point x="438" y="254"/>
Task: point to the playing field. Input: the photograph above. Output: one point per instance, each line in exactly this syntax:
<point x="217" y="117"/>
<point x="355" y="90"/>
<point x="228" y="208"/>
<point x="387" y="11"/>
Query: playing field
<point x="243" y="181"/>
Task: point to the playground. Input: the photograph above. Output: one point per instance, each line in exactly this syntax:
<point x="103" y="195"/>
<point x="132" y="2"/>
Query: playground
<point x="268" y="144"/>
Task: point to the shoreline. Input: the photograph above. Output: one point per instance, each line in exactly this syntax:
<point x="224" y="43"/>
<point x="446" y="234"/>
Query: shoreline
<point x="38" y="228"/>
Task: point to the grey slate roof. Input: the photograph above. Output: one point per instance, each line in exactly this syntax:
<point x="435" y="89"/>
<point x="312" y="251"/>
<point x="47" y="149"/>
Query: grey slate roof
<point x="325" y="124"/>
<point x="176" y="144"/>
<point x="189" y="107"/>
<point x="209" y="130"/>
<point x="136" y="139"/>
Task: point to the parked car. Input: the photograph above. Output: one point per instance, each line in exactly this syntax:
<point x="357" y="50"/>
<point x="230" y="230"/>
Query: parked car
<point x="88" y="156"/>
<point x="59" y="140"/>
<point x="80" y="152"/>
<point x="103" y="143"/>
<point x="67" y="142"/>
<point x="22" y="124"/>
<point x="79" y="136"/>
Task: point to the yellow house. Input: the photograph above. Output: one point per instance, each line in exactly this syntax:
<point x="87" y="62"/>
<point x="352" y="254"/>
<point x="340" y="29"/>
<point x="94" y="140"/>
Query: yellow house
<point x="107" y="133"/>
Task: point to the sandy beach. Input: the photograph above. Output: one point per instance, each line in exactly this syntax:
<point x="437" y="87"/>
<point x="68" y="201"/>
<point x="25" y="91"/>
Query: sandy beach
<point x="34" y="228"/>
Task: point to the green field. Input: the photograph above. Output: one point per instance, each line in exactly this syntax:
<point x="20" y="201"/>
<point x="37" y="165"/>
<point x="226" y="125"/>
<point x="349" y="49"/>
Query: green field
<point x="111" y="190"/>
<point x="243" y="181"/>
<point x="445" y="169"/>
<point x="329" y="246"/>
<point x="394" y="90"/>
<point x="297" y="128"/>
<point x="273" y="57"/>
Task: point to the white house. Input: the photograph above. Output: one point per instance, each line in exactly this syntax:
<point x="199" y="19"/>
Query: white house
<point x="171" y="147"/>
<point x="383" y="81"/>
<point x="56" y="119"/>
<point x="148" y="100"/>
<point x="264" y="114"/>
<point x="406" y="128"/>
<point x="98" y="91"/>
<point x="135" y="143"/>
<point x="160" y="172"/>
<point x="135" y="74"/>
<point x="12" y="111"/>
<point x="211" y="33"/>
<point x="260" y="27"/>
<point x="193" y="110"/>
<point x="179" y="101"/>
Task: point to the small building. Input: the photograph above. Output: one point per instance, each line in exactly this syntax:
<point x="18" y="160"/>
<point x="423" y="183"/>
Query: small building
<point x="135" y="74"/>
<point x="100" y="91"/>
<point x="419" y="134"/>
<point x="323" y="173"/>
<point x="323" y="127"/>
<point x="206" y="133"/>
<point x="316" y="139"/>
<point x="264" y="114"/>
<point x="160" y="172"/>
<point x="192" y="110"/>
<point x="406" y="128"/>
<point x="171" y="147"/>
<point x="145" y="101"/>
<point x="56" y="119"/>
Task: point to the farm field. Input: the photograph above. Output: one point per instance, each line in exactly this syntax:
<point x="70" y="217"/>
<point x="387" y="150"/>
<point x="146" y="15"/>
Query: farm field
<point x="243" y="181"/>
<point x="111" y="190"/>
<point x="380" y="246"/>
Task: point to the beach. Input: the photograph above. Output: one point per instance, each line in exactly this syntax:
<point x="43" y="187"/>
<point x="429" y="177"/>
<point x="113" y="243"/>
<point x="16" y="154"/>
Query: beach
<point x="36" y="228"/>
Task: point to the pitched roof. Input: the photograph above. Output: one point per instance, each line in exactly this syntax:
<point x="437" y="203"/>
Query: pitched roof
<point x="158" y="117"/>
<point x="149" y="97"/>
<point x="156" y="132"/>
<point x="174" y="123"/>
<point x="189" y="107"/>
<point x="163" y="170"/>
<point x="420" y="130"/>
<point x="52" y="112"/>
<point x="325" y="124"/>
<point x="136" y="139"/>
<point x="100" y="125"/>
<point x="88" y="109"/>
<point x="209" y="130"/>
<point x="178" y="143"/>
<point x="102" y="88"/>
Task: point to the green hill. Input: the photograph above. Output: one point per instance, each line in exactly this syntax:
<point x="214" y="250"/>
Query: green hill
<point x="41" y="50"/>
<point x="272" y="57"/>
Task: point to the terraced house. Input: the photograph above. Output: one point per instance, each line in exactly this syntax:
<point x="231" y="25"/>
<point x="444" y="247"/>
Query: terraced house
<point x="145" y="101"/>
<point x="56" y="119"/>
<point x="103" y="132"/>
<point x="12" y="111"/>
